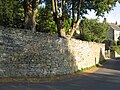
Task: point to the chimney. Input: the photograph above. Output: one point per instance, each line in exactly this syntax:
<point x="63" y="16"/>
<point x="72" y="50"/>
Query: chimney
<point x="116" y="23"/>
<point x="105" y="20"/>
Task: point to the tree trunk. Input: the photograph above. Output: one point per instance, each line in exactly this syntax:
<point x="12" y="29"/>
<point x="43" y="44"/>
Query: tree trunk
<point x="30" y="13"/>
<point x="59" y="20"/>
<point x="73" y="13"/>
<point x="78" y="9"/>
<point x="63" y="18"/>
<point x="75" y="27"/>
<point x="55" y="18"/>
<point x="30" y="22"/>
<point x="75" y="24"/>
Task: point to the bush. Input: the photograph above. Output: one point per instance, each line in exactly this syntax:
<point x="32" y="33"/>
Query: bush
<point x="93" y="30"/>
<point x="45" y="21"/>
<point x="115" y="48"/>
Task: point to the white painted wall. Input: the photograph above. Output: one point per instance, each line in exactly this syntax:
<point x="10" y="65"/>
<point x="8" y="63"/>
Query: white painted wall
<point x="116" y="35"/>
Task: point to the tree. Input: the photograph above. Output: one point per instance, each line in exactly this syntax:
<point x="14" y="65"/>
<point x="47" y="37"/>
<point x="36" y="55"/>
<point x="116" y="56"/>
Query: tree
<point x="81" y="7"/>
<point x="59" y="19"/>
<point x="45" y="21"/>
<point x="77" y="11"/>
<point x="67" y="14"/>
<point x="92" y="30"/>
<point x="30" y="7"/>
<point x="10" y="13"/>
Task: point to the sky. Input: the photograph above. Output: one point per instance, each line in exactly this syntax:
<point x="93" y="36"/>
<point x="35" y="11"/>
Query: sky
<point x="112" y="16"/>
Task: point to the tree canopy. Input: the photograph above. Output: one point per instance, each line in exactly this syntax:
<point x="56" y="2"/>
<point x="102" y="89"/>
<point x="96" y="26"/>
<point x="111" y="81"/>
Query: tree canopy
<point x="11" y="13"/>
<point x="61" y="16"/>
<point x="93" y="30"/>
<point x="75" y="9"/>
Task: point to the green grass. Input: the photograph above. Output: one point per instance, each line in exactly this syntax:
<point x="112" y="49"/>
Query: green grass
<point x="88" y="68"/>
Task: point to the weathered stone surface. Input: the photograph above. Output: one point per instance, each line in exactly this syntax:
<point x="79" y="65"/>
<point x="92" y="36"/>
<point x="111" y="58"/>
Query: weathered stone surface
<point x="23" y="53"/>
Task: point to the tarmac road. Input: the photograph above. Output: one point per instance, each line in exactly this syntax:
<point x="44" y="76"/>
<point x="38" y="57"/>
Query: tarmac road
<point x="105" y="78"/>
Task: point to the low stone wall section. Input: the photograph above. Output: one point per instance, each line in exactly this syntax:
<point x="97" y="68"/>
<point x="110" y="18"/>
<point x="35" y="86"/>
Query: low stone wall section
<point x="86" y="54"/>
<point x="27" y="54"/>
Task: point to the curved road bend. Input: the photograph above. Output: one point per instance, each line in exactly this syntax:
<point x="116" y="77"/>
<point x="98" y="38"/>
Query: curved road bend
<point x="105" y="78"/>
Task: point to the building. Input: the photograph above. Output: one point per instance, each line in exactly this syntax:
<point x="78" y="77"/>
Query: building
<point x="113" y="34"/>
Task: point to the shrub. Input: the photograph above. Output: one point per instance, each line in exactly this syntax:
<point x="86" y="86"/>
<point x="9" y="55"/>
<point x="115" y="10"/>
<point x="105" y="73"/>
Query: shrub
<point x="93" y="30"/>
<point x="115" y="48"/>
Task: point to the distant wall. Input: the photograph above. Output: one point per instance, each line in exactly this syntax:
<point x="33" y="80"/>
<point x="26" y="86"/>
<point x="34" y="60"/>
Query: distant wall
<point x="117" y="55"/>
<point x="25" y="54"/>
<point x="116" y="35"/>
<point x="86" y="54"/>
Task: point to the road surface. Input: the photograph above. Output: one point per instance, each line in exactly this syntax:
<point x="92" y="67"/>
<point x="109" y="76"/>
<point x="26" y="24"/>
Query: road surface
<point x="107" y="77"/>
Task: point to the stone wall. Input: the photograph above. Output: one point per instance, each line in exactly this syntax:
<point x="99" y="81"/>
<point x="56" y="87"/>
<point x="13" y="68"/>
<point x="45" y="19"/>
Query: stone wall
<point x="27" y="54"/>
<point x="86" y="54"/>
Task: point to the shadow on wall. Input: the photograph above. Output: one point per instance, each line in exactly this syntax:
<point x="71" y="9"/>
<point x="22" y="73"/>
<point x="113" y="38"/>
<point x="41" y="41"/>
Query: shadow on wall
<point x="102" y="56"/>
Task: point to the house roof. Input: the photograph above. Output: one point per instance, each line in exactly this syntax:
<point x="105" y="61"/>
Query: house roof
<point x="115" y="27"/>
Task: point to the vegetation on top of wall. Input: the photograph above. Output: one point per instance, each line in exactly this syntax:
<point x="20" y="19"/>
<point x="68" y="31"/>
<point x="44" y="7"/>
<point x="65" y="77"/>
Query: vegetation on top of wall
<point x="45" y="21"/>
<point x="93" y="30"/>
<point x="11" y="14"/>
<point x="112" y="41"/>
<point x="61" y="16"/>
<point x="115" y="48"/>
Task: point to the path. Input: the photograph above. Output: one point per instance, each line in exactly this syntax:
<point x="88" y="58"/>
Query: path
<point x="106" y="78"/>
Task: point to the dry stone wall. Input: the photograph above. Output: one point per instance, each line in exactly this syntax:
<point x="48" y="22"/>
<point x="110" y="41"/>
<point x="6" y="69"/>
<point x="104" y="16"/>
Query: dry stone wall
<point x="86" y="54"/>
<point x="27" y="54"/>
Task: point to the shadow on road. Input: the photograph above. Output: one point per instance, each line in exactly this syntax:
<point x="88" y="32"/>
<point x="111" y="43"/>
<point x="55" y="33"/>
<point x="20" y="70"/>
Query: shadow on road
<point x="106" y="78"/>
<point x="113" y="64"/>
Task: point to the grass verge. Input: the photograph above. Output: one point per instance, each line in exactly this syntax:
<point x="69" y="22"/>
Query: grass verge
<point x="97" y="65"/>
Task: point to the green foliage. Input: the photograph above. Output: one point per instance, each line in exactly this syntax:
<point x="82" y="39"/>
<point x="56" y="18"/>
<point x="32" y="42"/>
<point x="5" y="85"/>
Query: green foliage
<point x="92" y="67"/>
<point x="85" y="36"/>
<point x="102" y="6"/>
<point x="79" y="8"/>
<point x="67" y="24"/>
<point x="115" y="48"/>
<point x="45" y="21"/>
<point x="85" y="69"/>
<point x="112" y="41"/>
<point x="99" y="6"/>
<point x="11" y="13"/>
<point x="92" y="30"/>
